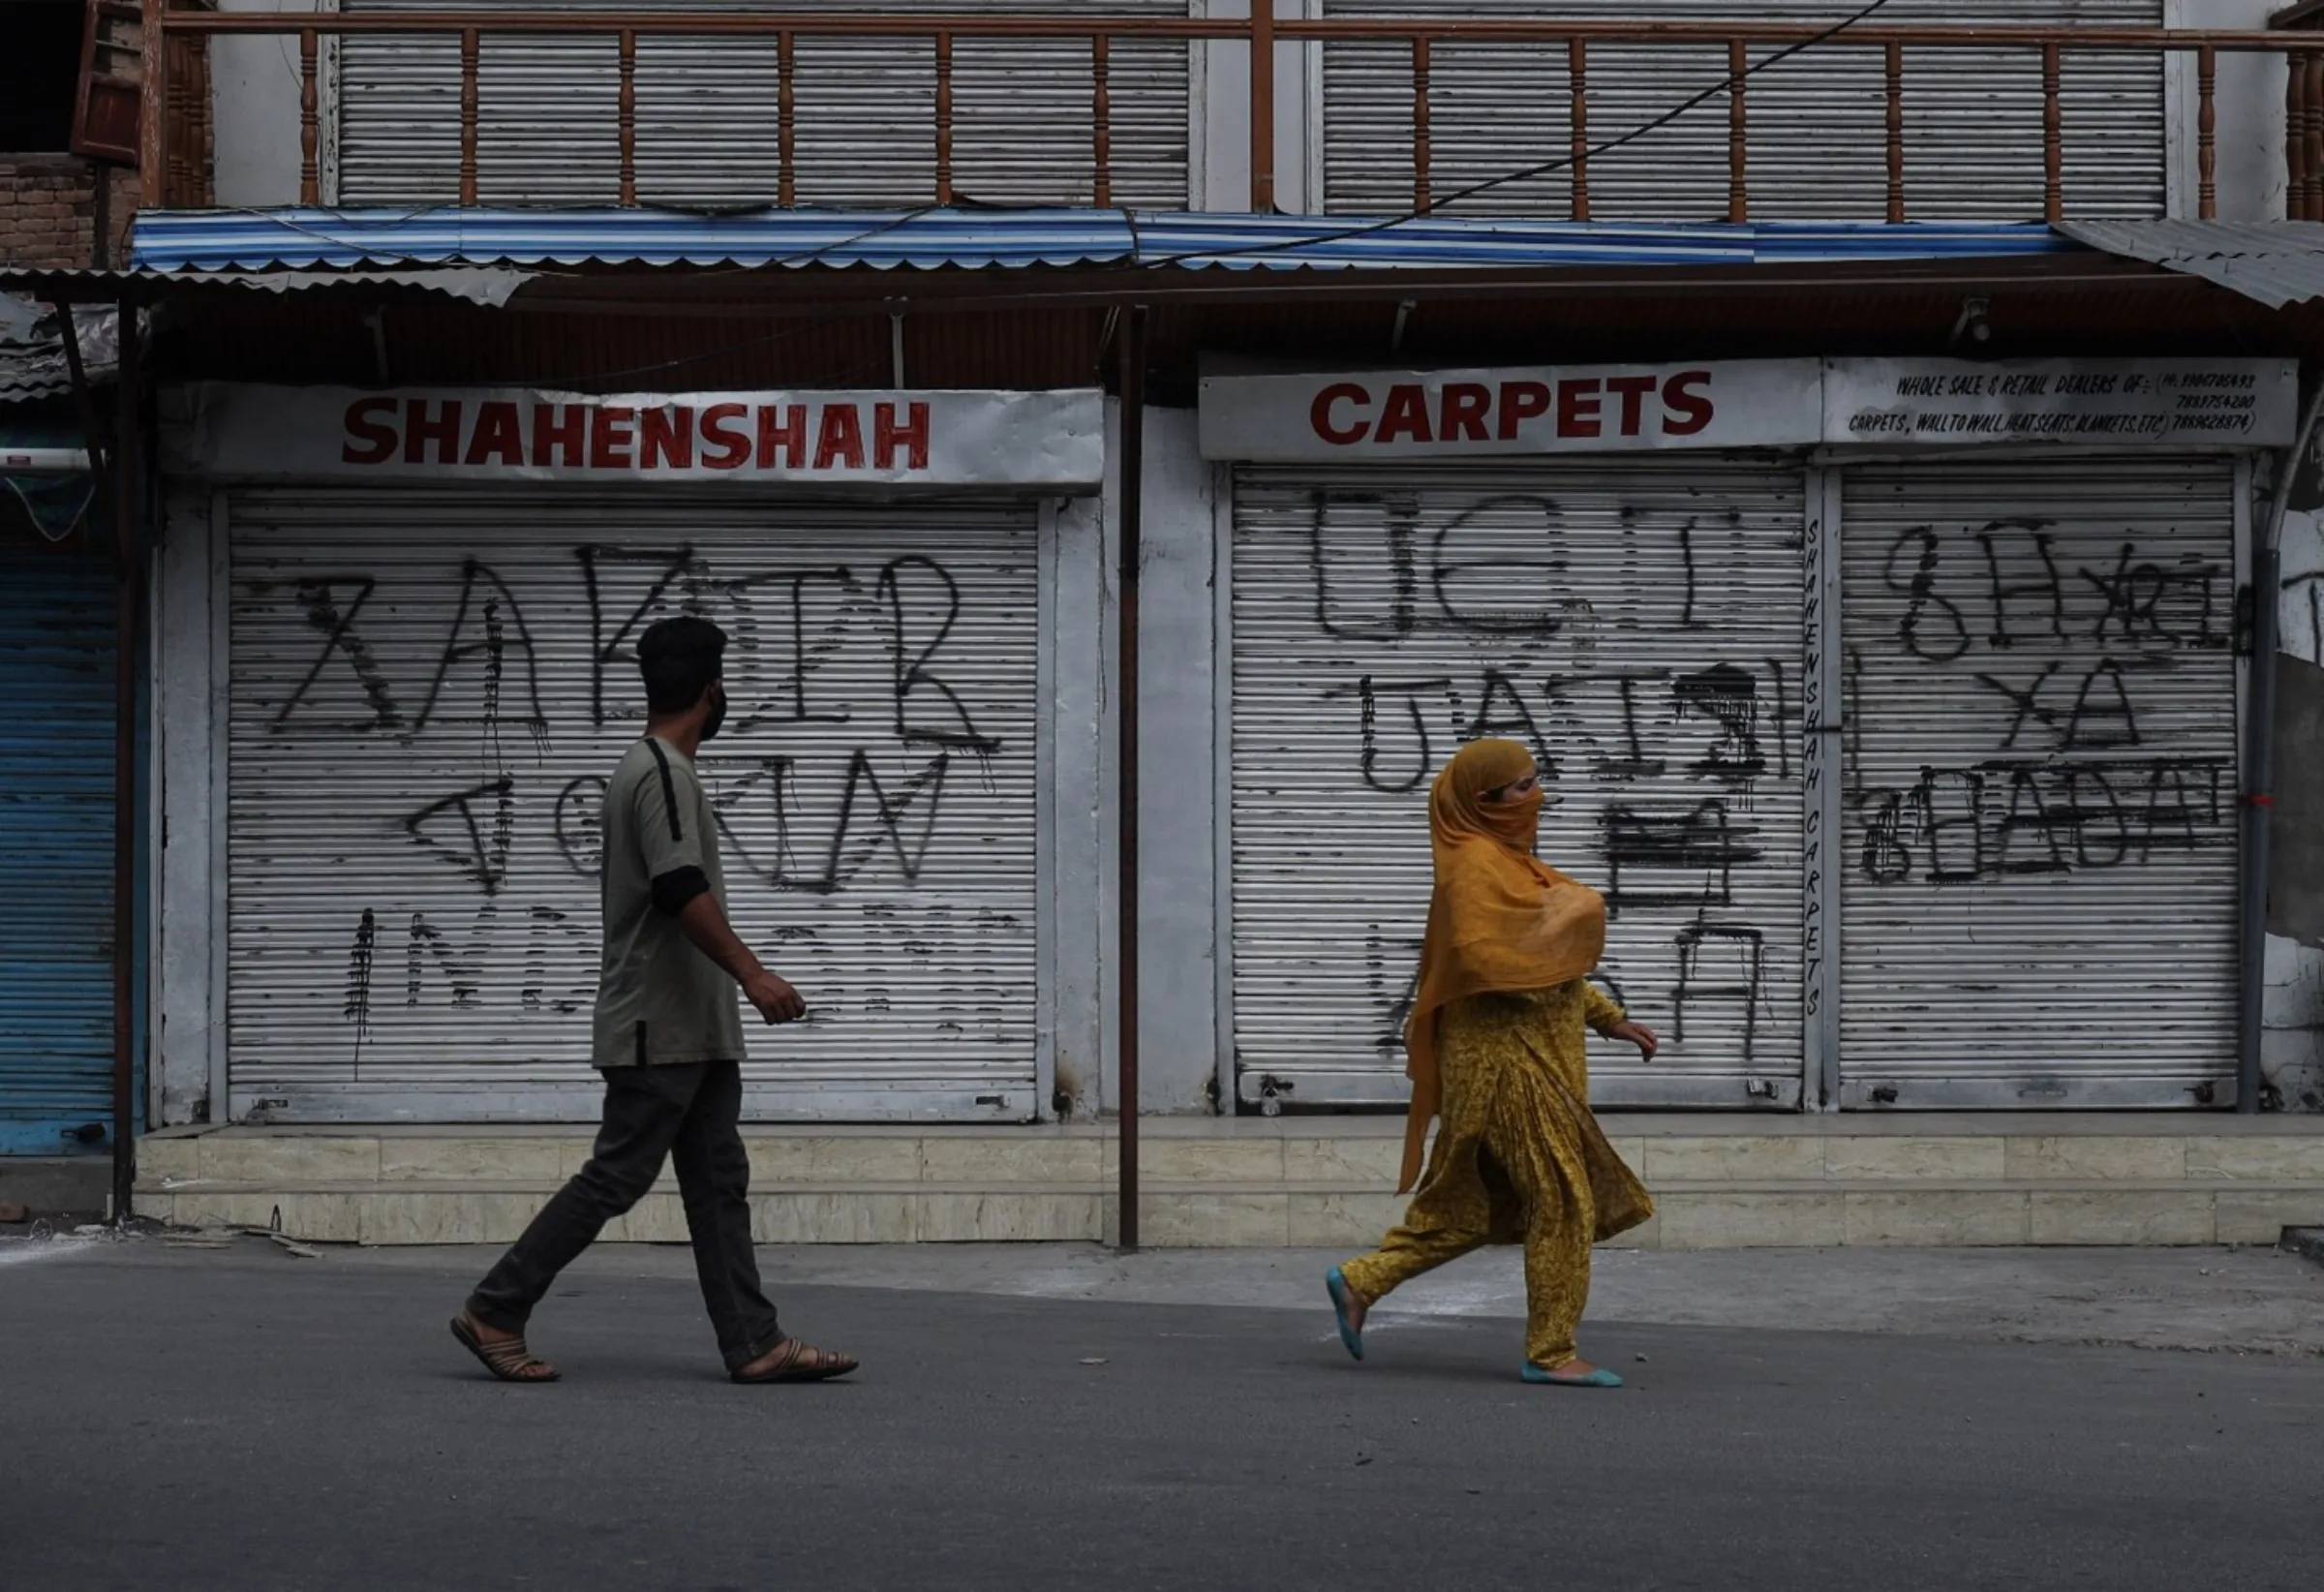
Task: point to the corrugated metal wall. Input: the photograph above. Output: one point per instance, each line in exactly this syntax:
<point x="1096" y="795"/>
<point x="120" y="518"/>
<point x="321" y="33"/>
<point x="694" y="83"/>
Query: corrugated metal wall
<point x="1637" y="619"/>
<point x="707" y="129"/>
<point x="429" y="689"/>
<point x="2041" y="781"/>
<point x="1818" y="121"/>
<point x="57" y="624"/>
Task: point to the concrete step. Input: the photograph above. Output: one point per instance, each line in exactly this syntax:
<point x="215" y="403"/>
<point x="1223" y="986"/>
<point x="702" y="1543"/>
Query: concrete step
<point x="1188" y="1215"/>
<point x="1326" y="1182"/>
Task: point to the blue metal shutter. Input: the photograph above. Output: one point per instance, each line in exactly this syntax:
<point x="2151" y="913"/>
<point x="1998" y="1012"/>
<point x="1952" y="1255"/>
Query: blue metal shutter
<point x="56" y="849"/>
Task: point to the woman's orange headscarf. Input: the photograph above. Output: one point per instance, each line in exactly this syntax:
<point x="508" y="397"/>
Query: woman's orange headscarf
<point x="1499" y="922"/>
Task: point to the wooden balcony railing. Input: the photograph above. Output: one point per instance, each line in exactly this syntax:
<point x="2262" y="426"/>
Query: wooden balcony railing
<point x="2303" y="115"/>
<point x="1896" y="53"/>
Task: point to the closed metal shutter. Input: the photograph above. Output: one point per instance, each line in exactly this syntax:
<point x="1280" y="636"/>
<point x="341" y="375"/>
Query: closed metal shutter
<point x="1640" y="622"/>
<point x="707" y="127"/>
<point x="2041" y="843"/>
<point x="429" y="690"/>
<point x="57" y="623"/>
<point x="1818" y="121"/>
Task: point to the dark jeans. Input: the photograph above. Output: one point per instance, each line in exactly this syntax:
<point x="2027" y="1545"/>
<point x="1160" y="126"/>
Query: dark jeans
<point x="691" y="1111"/>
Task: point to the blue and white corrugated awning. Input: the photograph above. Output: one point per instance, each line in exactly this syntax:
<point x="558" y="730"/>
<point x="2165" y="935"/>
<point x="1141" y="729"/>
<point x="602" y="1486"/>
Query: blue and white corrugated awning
<point x="1447" y="242"/>
<point x="937" y="239"/>
<point x="209" y="241"/>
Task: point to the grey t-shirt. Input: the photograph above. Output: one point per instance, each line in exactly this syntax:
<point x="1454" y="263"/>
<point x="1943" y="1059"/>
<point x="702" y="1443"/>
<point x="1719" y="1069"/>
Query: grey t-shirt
<point x="660" y="1000"/>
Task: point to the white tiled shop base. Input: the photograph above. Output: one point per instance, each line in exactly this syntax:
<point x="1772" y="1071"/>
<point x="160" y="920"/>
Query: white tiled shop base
<point x="1324" y="1182"/>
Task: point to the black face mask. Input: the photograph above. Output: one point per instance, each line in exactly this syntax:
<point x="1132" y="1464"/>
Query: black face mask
<point x="717" y="713"/>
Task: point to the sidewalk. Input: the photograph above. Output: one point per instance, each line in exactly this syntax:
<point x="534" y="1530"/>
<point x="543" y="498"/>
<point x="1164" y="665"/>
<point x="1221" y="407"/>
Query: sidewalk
<point x="2247" y="1300"/>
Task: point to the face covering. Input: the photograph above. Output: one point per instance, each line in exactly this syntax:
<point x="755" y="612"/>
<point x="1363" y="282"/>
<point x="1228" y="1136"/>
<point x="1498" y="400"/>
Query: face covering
<point x="1516" y="821"/>
<point x="717" y="713"/>
<point x="1459" y="808"/>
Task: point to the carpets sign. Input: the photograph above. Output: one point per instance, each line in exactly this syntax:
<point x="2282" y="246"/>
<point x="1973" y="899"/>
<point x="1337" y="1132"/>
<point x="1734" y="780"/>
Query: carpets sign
<point x="1574" y="409"/>
<point x="1780" y="403"/>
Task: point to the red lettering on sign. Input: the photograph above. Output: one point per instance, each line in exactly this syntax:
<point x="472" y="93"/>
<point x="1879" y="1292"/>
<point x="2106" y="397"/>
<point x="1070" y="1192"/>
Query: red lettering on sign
<point x="841" y="440"/>
<point x="1319" y="414"/>
<point x="1579" y="406"/>
<point x="559" y="428"/>
<point x="420" y="431"/>
<point x="1690" y="411"/>
<point x="1466" y="405"/>
<point x="725" y="448"/>
<point x="377" y="440"/>
<point x="782" y="428"/>
<point x="1520" y="401"/>
<point x="665" y="438"/>
<point x="1405" y="415"/>
<point x="887" y="436"/>
<point x="498" y="437"/>
<point x="610" y="437"/>
<point x="1634" y="390"/>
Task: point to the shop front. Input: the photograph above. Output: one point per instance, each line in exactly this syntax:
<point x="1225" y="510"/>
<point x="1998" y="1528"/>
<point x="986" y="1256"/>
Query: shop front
<point x="59" y="639"/>
<point x="410" y="618"/>
<point x="1891" y="703"/>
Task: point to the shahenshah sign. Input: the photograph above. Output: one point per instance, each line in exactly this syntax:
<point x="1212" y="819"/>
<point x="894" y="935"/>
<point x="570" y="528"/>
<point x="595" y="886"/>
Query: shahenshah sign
<point x="494" y="433"/>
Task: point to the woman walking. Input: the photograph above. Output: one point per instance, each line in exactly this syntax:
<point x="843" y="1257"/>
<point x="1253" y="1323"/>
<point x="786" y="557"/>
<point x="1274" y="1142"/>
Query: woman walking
<point x="1495" y="1044"/>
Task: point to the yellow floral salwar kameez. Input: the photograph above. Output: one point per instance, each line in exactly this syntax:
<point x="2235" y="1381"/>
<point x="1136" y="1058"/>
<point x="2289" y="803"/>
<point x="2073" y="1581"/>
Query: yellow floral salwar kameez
<point x="1495" y="1049"/>
<point x="1520" y="1159"/>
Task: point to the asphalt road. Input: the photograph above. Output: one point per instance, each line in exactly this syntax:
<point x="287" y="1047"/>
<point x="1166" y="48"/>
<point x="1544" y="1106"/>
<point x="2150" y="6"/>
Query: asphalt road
<point x="247" y="1421"/>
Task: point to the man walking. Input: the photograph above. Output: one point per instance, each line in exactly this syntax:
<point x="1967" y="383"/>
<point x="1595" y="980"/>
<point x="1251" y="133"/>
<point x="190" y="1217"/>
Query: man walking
<point x="669" y="1041"/>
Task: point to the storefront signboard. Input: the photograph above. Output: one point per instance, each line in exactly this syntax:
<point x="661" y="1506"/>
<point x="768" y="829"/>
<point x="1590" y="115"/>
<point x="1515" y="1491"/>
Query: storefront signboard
<point x="952" y="438"/>
<point x="1356" y="416"/>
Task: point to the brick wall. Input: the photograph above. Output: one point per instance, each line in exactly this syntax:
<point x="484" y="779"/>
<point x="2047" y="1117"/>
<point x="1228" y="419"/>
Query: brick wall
<point x="49" y="212"/>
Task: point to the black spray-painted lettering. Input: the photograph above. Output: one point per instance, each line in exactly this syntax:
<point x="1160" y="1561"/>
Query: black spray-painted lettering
<point x="914" y="653"/>
<point x="479" y="850"/>
<point x="336" y="624"/>
<point x="1684" y="858"/>
<point x="2011" y="817"/>
<point x="609" y="640"/>
<point x="501" y="621"/>
<point x="1703" y="977"/>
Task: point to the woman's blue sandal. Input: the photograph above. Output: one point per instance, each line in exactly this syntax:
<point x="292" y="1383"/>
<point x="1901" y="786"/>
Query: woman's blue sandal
<point x="1549" y="1379"/>
<point x="1337" y="1287"/>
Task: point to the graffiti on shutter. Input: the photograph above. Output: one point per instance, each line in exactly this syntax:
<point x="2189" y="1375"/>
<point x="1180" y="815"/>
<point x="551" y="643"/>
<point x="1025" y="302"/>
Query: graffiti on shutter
<point x="1638" y="626"/>
<point x="428" y="696"/>
<point x="2039" y="782"/>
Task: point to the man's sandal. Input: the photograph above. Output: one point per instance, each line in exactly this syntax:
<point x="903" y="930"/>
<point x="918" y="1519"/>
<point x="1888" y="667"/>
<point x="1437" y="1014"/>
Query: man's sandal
<point x="507" y="1359"/>
<point x="792" y="1361"/>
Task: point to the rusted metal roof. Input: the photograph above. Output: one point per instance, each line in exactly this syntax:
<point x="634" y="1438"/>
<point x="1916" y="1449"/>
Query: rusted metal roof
<point x="32" y="350"/>
<point x="2274" y="262"/>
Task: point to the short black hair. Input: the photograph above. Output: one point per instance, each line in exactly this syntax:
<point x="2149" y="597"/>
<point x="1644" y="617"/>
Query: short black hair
<point x="679" y="659"/>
